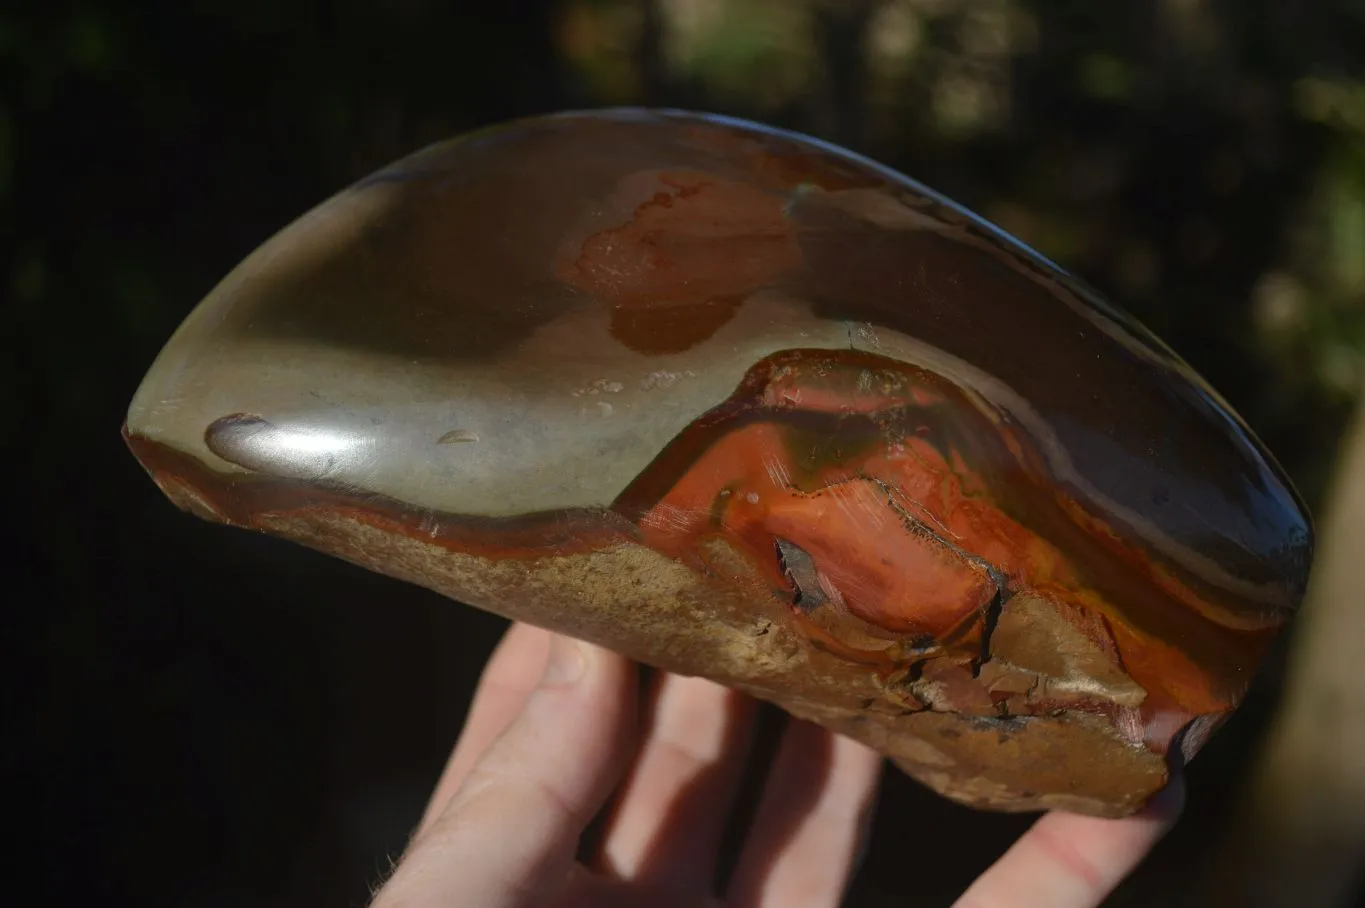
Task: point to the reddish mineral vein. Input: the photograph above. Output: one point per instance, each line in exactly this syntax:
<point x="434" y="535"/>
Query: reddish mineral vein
<point x="682" y="266"/>
<point x="906" y="538"/>
<point x="901" y="578"/>
<point x="905" y="579"/>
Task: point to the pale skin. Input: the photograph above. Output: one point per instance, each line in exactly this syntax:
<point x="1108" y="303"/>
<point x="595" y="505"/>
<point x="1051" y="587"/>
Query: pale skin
<point x="554" y="736"/>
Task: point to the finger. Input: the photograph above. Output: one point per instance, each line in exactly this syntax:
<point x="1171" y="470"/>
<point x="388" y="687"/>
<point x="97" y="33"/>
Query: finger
<point x="1071" y="861"/>
<point x="809" y="828"/>
<point x="507" y="836"/>
<point x="672" y="813"/>
<point x="512" y="673"/>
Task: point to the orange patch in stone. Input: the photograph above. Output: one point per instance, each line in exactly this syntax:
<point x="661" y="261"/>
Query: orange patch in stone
<point x="872" y="562"/>
<point x="682" y="266"/>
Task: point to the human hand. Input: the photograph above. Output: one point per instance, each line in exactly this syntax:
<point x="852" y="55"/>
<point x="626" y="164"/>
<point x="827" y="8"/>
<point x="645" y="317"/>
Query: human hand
<point x="551" y="737"/>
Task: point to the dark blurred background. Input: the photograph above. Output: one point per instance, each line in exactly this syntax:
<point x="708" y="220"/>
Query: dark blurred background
<point x="202" y="717"/>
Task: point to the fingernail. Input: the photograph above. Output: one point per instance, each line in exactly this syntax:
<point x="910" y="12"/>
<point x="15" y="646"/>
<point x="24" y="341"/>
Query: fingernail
<point x="565" y="663"/>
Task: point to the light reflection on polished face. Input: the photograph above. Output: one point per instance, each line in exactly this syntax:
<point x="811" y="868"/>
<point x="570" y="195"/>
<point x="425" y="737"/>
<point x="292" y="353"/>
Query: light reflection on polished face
<point x="292" y="452"/>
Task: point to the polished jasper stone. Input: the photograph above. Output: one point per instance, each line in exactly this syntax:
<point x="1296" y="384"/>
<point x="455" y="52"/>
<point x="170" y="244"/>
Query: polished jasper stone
<point x="742" y="405"/>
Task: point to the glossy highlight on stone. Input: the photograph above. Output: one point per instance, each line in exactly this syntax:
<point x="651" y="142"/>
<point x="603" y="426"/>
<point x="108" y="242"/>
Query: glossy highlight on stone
<point x="740" y="404"/>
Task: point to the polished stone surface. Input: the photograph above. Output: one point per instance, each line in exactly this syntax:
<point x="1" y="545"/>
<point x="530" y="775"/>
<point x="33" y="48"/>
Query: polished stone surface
<point x="740" y="404"/>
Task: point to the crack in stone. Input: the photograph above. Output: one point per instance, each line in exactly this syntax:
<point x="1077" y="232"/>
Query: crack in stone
<point x="799" y="567"/>
<point x="990" y="612"/>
